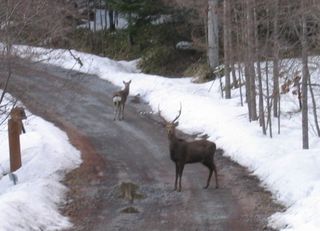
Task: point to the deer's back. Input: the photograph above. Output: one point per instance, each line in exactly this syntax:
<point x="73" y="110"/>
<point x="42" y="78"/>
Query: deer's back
<point x="192" y="152"/>
<point x="200" y="150"/>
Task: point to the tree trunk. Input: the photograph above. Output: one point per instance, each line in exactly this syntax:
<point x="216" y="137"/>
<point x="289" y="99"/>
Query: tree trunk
<point x="111" y="20"/>
<point x="269" y="123"/>
<point x="226" y="46"/>
<point x="261" y="104"/>
<point x="258" y="57"/>
<point x="276" y="94"/>
<point x="240" y="83"/>
<point x="130" y="28"/>
<point x="314" y="107"/>
<point x="94" y="16"/>
<point x="250" y="57"/>
<point x="239" y="35"/>
<point x="305" y="77"/>
<point x="247" y="86"/>
<point x="213" y="34"/>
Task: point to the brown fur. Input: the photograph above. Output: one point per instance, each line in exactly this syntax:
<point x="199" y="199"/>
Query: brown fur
<point x="119" y="100"/>
<point x="183" y="152"/>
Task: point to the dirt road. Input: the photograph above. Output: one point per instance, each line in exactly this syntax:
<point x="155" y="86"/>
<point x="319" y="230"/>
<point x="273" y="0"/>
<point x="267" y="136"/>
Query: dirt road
<point x="126" y="180"/>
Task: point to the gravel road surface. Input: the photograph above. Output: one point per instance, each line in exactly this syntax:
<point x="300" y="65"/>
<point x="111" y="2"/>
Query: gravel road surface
<point x="126" y="179"/>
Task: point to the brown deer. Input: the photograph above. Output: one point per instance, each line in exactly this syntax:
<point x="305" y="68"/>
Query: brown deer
<point x="183" y="152"/>
<point x="119" y="99"/>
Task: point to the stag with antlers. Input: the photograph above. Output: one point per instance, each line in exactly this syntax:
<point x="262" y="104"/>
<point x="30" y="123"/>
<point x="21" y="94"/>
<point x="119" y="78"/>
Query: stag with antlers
<point x="183" y="152"/>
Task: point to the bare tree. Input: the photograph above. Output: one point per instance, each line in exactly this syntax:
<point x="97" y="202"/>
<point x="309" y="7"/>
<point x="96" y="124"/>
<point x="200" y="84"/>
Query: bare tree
<point x="276" y="71"/>
<point x="250" y="58"/>
<point x="259" y="76"/>
<point x="37" y="22"/>
<point x="315" y="37"/>
<point x="269" y="121"/>
<point x="238" y="53"/>
<point x="305" y="77"/>
<point x="275" y="33"/>
<point x="315" y="114"/>
<point x="213" y="33"/>
<point x="227" y="46"/>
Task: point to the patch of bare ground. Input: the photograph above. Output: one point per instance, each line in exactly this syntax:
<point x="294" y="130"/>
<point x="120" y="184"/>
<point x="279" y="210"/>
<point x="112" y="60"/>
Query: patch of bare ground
<point x="84" y="205"/>
<point x="255" y="203"/>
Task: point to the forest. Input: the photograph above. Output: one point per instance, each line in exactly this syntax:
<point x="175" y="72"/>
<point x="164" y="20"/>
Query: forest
<point x="249" y="43"/>
<point x="240" y="75"/>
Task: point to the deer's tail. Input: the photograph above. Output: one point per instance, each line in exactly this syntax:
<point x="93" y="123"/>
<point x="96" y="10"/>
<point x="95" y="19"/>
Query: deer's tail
<point x="116" y="100"/>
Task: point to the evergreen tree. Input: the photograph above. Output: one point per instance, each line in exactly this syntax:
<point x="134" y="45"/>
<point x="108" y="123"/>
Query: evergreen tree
<point x="139" y="13"/>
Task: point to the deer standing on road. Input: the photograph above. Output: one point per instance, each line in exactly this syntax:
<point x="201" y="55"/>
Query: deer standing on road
<point x="119" y="100"/>
<point x="183" y="152"/>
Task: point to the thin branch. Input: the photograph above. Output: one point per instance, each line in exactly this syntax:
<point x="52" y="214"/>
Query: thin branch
<point x="78" y="60"/>
<point x="7" y="116"/>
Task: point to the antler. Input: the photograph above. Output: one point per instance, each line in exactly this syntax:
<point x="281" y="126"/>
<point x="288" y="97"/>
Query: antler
<point x="179" y="114"/>
<point x="173" y="121"/>
<point x="163" y="122"/>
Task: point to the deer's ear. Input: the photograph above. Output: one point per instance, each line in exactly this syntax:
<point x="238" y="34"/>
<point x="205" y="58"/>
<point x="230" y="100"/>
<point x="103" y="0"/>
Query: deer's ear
<point x="124" y="82"/>
<point x="176" y="124"/>
<point x="129" y="81"/>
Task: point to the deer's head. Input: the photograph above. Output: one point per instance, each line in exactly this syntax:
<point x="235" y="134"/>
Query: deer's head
<point x="126" y="84"/>
<point x="171" y="126"/>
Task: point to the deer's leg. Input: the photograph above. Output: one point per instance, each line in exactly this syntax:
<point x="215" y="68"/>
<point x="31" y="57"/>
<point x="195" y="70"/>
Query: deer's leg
<point x="215" y="174"/>
<point x="180" y="175"/>
<point x="122" y="111"/>
<point x="176" y="181"/>
<point x="119" y="111"/>
<point x="210" y="166"/>
<point x="209" y="178"/>
<point x="115" y="111"/>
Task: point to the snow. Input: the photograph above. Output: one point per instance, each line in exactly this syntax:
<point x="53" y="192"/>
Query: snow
<point x="33" y="203"/>
<point x="289" y="172"/>
<point x="101" y="16"/>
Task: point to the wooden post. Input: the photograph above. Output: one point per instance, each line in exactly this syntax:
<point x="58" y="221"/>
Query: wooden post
<point x="15" y="127"/>
<point x="14" y="145"/>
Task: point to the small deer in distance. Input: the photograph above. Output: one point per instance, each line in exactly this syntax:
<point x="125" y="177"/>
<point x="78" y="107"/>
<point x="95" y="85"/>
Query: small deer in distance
<point x="184" y="152"/>
<point x="119" y="99"/>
